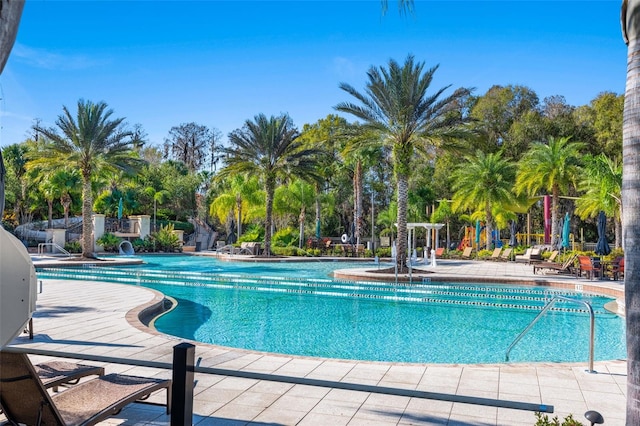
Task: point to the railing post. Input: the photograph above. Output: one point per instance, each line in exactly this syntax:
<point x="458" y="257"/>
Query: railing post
<point x="182" y="386"/>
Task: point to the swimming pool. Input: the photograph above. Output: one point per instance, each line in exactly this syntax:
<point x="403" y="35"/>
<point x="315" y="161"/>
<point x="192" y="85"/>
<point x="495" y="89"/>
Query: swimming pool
<point x="294" y="308"/>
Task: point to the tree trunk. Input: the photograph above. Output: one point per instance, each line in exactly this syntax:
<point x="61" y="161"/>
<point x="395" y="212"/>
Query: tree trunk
<point x="10" y="13"/>
<point x="631" y="205"/>
<point x="488" y="225"/>
<point x="401" y="241"/>
<point x="50" y="214"/>
<point x="357" y="202"/>
<point x="87" y="220"/>
<point x="65" y="200"/>
<point x="269" y="187"/>
<point x="301" y="218"/>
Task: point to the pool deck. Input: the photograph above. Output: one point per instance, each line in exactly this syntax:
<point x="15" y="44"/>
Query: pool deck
<point x="93" y="319"/>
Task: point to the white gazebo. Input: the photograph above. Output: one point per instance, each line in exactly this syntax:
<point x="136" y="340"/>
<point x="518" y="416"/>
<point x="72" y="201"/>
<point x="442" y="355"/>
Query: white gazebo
<point x="435" y="227"/>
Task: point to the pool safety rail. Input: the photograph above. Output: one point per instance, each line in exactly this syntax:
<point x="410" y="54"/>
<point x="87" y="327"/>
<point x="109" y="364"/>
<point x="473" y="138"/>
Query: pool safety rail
<point x="56" y="246"/>
<point x="493" y="296"/>
<point x="544" y="311"/>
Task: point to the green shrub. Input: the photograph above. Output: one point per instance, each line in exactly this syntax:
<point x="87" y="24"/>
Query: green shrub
<point x="314" y="252"/>
<point x="187" y="227"/>
<point x="543" y="420"/>
<point x="383" y="252"/>
<point x="165" y="240"/>
<point x="285" y="237"/>
<point x="288" y="251"/>
<point x="73" y="247"/>
<point x="252" y="233"/>
<point x="140" y="246"/>
<point x="109" y="242"/>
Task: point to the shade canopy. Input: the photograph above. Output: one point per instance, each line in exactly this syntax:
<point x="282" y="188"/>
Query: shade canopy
<point x="602" y="246"/>
<point x="17" y="287"/>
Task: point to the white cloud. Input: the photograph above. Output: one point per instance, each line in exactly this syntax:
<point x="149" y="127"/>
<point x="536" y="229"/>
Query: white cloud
<point x="343" y="67"/>
<point x="41" y="58"/>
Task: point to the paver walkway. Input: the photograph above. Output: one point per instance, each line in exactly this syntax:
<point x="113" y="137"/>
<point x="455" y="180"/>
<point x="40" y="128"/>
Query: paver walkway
<point x="99" y="319"/>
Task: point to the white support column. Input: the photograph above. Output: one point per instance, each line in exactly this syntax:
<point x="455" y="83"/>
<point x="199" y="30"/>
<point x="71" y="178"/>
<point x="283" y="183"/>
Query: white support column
<point x="98" y="230"/>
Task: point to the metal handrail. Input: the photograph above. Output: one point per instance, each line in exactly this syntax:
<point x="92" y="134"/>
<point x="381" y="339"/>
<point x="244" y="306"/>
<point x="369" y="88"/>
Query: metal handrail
<point x="545" y="309"/>
<point x="54" y="245"/>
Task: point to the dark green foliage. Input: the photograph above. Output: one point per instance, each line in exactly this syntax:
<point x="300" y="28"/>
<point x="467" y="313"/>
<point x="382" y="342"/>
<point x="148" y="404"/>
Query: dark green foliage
<point x="109" y="242"/>
<point x="252" y="233"/>
<point x="73" y="247"/>
<point x="286" y="237"/>
<point x="166" y="240"/>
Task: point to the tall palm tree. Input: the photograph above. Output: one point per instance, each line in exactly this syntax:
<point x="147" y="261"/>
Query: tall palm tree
<point x="396" y="105"/>
<point x="269" y="148"/>
<point x="631" y="201"/>
<point x="91" y="142"/>
<point x="552" y="167"/>
<point x="602" y="186"/>
<point x="484" y="182"/>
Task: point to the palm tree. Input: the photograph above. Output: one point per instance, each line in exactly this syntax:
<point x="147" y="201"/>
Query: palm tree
<point x="484" y="182"/>
<point x="242" y="193"/>
<point x="269" y="148"/>
<point x="631" y="201"/>
<point x="90" y="142"/>
<point x="602" y="186"/>
<point x="396" y="105"/>
<point x="551" y="167"/>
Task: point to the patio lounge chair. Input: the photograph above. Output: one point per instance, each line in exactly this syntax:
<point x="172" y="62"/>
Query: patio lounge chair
<point x="496" y="254"/>
<point x="506" y="254"/>
<point x="25" y="399"/>
<point x="591" y="267"/>
<point x="55" y="373"/>
<point x="560" y="268"/>
<point x="466" y="254"/>
<point x="439" y="252"/>
<point x="530" y="255"/>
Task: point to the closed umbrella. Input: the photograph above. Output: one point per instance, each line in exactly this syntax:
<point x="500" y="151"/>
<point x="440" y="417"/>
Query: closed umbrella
<point x="120" y="209"/>
<point x="602" y="246"/>
<point x="477" y="233"/>
<point x="565" y="231"/>
<point x="318" y="229"/>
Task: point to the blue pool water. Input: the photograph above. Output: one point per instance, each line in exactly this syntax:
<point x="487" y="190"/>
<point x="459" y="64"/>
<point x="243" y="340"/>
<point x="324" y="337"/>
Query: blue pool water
<point x="294" y="308"/>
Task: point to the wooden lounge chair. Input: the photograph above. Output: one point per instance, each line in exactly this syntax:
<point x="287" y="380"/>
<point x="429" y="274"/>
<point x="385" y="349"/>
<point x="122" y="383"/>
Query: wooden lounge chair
<point x="506" y="254"/>
<point x="25" y="399"/>
<point x="560" y="268"/>
<point x="496" y="254"/>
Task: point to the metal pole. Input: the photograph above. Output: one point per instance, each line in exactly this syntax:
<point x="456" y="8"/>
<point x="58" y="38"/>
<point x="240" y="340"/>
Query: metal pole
<point x="182" y="386"/>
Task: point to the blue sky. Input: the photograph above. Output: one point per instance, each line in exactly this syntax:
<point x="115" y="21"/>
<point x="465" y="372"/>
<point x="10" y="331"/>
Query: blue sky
<point x="217" y="63"/>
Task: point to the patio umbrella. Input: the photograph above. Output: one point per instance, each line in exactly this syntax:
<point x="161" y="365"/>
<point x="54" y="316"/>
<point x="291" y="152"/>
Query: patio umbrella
<point x="565" y="231"/>
<point x="602" y="246"/>
<point x="477" y="233"/>
<point x="120" y="209"/>
<point x="512" y="239"/>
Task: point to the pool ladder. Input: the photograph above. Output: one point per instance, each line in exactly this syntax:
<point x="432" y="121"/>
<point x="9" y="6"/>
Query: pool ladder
<point x="545" y="309"/>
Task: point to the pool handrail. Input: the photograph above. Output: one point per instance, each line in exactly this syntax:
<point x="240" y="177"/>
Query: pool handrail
<point x="544" y="310"/>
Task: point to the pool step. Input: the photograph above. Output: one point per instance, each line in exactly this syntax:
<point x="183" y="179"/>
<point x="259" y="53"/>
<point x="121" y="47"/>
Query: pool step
<point x="498" y="296"/>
